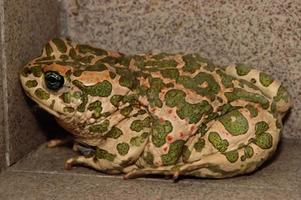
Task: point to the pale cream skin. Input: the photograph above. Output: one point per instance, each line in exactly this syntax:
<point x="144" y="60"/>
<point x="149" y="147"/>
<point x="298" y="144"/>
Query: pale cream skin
<point x="171" y="114"/>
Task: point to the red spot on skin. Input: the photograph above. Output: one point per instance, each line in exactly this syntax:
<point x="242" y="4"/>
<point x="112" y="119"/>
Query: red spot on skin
<point x="161" y="120"/>
<point x="169" y="138"/>
<point x="169" y="111"/>
<point x="182" y="134"/>
<point x="192" y="128"/>
<point x="165" y="148"/>
<point x="153" y="109"/>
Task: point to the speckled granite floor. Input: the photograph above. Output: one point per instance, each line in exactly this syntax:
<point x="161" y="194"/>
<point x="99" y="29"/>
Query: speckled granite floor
<point x="40" y="175"/>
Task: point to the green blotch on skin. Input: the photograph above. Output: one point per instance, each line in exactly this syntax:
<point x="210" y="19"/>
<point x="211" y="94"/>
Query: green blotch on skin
<point x="100" y="128"/>
<point x="193" y="112"/>
<point x="186" y="153"/>
<point x="115" y="100"/>
<point x="68" y="75"/>
<point x="127" y="78"/>
<point x="248" y="96"/>
<point x="52" y="104"/>
<point x="114" y="133"/>
<point x="31" y="83"/>
<point x="42" y="94"/>
<point x="156" y="85"/>
<point x="170" y="73"/>
<point x="232" y="156"/>
<point x="60" y="45"/>
<point x="174" y="97"/>
<point x="140" y="112"/>
<point x="112" y="75"/>
<point x="202" y="129"/>
<point x="192" y="62"/>
<point x="235" y="123"/>
<point x="132" y="99"/>
<point x="78" y="73"/>
<point x="102" y="89"/>
<point x="149" y="158"/>
<point x="224" y="109"/>
<point x="72" y="54"/>
<point x="226" y="79"/>
<point x="264" y="140"/>
<point x="243" y="158"/>
<point x="160" y="56"/>
<point x="83" y="48"/>
<point x="36" y="71"/>
<point x="82" y="106"/>
<point x="197" y="84"/>
<point x="261" y="127"/>
<point x="213" y="86"/>
<point x="174" y="152"/>
<point x="45" y="60"/>
<point x="249" y="152"/>
<point x="160" y="131"/>
<point x="123" y="148"/>
<point x="25" y="72"/>
<point x="253" y="111"/>
<point x="68" y="109"/>
<point x="243" y="83"/>
<point x="104" y="154"/>
<point x="96" y="107"/>
<point x="215" y="139"/>
<point x="138" y="125"/>
<point x="242" y="69"/>
<point x="161" y="63"/>
<point x="48" y="50"/>
<point x="66" y="97"/>
<point x="64" y="57"/>
<point x="125" y="60"/>
<point x="109" y="60"/>
<point x="77" y="94"/>
<point x="282" y="94"/>
<point x="142" y="90"/>
<point x="199" y="145"/>
<point x="210" y="66"/>
<point x="279" y="124"/>
<point x="97" y="67"/>
<point x="265" y="79"/>
<point x="139" y="61"/>
<point x="126" y="111"/>
<point x="86" y="59"/>
<point x="139" y="140"/>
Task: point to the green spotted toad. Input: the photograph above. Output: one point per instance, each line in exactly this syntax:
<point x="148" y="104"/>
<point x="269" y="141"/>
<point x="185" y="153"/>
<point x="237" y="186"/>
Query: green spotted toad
<point x="172" y="114"/>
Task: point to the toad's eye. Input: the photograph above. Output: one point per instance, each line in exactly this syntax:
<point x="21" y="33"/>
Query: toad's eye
<point x="54" y="80"/>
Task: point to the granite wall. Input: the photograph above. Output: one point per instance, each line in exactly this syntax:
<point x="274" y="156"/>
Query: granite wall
<point x="263" y="34"/>
<point x="25" y="26"/>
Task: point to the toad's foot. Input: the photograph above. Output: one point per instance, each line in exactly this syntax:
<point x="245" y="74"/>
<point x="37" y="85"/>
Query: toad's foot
<point x="58" y="142"/>
<point x="100" y="165"/>
<point x="142" y="172"/>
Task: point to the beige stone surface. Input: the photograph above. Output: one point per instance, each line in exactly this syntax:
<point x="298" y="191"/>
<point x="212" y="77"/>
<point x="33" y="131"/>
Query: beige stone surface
<point x="263" y="34"/>
<point x="40" y="175"/>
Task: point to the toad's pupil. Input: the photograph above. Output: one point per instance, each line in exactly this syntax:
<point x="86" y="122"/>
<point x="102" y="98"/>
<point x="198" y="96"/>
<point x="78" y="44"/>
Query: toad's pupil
<point x="54" y="80"/>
